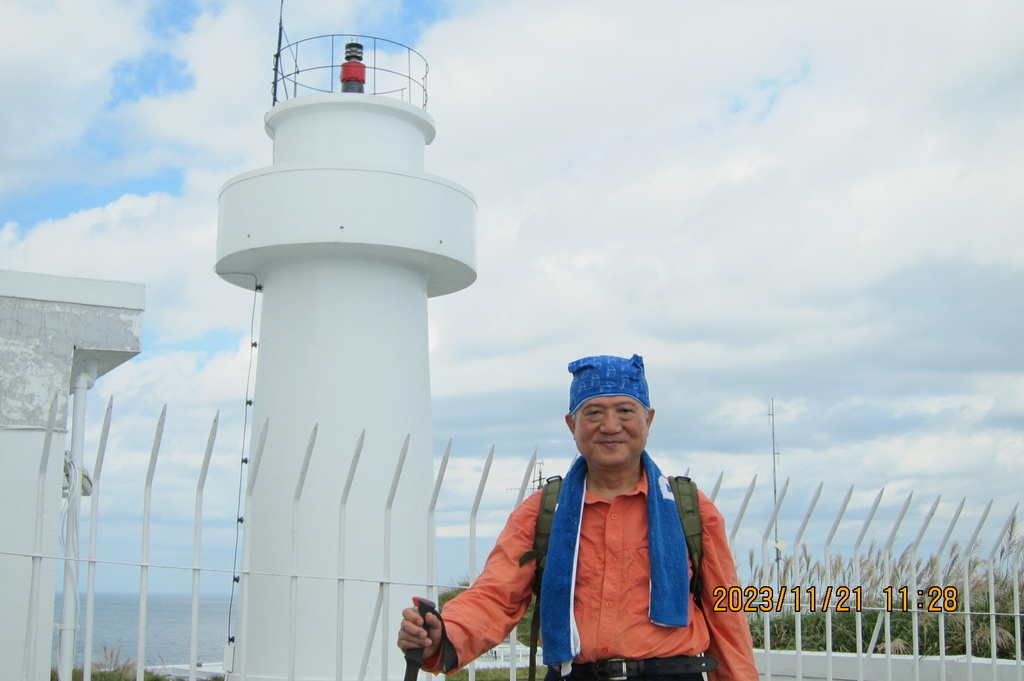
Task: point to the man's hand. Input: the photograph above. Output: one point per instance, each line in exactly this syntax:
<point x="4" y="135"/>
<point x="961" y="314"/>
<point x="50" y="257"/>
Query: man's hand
<point x="413" y="635"/>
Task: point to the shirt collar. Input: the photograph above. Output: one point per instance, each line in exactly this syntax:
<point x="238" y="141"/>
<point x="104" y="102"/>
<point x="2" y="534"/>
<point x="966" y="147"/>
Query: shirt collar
<point x="641" y="488"/>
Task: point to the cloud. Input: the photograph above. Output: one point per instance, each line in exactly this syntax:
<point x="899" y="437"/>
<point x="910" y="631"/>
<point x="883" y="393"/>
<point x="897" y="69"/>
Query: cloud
<point x="162" y="241"/>
<point x="780" y="200"/>
<point x="814" y="217"/>
<point x="54" y="96"/>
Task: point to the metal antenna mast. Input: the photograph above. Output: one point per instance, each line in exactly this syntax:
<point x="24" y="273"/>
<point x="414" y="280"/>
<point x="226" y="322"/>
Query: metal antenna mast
<point x="538" y="481"/>
<point x="277" y="54"/>
<point x="775" y="483"/>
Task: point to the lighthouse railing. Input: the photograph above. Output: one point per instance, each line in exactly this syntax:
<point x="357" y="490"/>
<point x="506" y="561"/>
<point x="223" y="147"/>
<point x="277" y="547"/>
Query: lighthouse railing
<point x="314" y="66"/>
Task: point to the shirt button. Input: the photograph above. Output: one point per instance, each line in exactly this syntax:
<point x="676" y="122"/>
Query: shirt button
<point x="615" y="516"/>
<point x="609" y="604"/>
<point x="605" y="649"/>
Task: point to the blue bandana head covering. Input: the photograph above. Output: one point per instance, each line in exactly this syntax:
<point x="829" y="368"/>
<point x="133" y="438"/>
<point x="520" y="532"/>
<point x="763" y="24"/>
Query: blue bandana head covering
<point x="607" y="375"/>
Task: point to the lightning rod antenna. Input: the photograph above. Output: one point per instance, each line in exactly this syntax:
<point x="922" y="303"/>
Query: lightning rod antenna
<point x="277" y="54"/>
<point x="775" y="483"/>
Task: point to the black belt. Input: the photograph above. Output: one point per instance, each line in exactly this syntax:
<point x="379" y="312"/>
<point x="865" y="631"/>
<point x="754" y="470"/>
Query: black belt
<point x="618" y="670"/>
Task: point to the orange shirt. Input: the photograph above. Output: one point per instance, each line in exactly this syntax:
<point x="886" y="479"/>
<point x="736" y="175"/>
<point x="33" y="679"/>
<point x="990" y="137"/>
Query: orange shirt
<point x="612" y="591"/>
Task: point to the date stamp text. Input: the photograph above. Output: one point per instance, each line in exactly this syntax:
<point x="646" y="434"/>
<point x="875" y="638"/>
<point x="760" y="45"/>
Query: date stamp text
<point x="754" y="599"/>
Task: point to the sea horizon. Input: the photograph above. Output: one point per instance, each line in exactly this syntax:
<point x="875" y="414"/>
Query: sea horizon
<point x="168" y="627"/>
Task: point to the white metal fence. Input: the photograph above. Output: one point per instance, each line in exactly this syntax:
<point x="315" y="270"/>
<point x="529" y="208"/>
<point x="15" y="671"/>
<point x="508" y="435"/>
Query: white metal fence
<point x="871" y="609"/>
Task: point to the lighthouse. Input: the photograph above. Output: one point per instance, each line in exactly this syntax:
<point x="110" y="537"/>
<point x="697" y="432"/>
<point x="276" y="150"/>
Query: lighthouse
<point x="344" y="237"/>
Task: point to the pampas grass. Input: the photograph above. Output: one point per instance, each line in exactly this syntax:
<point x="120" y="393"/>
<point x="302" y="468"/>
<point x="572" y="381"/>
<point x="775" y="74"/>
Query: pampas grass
<point x="991" y="618"/>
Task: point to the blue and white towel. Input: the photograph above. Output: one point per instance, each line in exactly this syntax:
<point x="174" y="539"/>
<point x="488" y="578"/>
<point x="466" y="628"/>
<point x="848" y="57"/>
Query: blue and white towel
<point x="670" y="580"/>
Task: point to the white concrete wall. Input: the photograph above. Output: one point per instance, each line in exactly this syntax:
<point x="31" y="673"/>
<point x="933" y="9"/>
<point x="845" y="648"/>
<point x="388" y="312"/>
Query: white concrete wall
<point x="49" y="326"/>
<point x="818" y="666"/>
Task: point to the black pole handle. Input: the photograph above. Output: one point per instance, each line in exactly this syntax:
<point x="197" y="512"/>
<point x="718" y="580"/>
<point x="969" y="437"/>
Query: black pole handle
<point x="414" y="656"/>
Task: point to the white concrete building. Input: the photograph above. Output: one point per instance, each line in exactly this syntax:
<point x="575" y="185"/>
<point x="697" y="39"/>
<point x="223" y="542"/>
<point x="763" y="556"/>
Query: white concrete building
<point x="57" y="335"/>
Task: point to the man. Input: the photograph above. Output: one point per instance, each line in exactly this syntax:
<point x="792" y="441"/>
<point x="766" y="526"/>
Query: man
<point x="612" y="589"/>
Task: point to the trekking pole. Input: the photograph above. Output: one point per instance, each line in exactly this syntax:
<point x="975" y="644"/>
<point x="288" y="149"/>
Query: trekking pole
<point x="414" y="656"/>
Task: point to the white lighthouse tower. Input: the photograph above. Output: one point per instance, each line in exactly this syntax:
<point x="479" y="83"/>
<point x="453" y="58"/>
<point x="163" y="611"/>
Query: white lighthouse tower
<point x="346" y="237"/>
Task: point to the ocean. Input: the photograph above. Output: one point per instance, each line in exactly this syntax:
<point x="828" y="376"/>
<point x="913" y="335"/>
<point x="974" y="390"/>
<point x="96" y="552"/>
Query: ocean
<point x="168" y="627"/>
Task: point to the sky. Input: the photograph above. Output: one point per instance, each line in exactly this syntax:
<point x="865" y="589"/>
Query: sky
<point x="809" y="205"/>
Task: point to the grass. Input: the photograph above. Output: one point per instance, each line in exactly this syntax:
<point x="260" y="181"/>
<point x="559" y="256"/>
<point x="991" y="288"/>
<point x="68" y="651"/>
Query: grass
<point x="113" y="667"/>
<point x="935" y="633"/>
<point x="498" y="674"/>
<point x="109" y="675"/>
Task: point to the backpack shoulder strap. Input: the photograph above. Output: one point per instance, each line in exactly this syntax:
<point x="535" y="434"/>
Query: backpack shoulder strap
<point x="688" y="503"/>
<point x="545" y="517"/>
<point x="542" y="533"/>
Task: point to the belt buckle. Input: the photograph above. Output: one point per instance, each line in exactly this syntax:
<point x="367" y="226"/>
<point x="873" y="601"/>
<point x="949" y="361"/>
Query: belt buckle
<point x="609" y="676"/>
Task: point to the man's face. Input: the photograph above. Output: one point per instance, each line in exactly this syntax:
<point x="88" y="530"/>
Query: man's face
<point x="611" y="431"/>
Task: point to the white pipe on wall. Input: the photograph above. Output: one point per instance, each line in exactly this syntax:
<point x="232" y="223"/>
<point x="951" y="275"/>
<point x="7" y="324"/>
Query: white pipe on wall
<point x="69" y="610"/>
